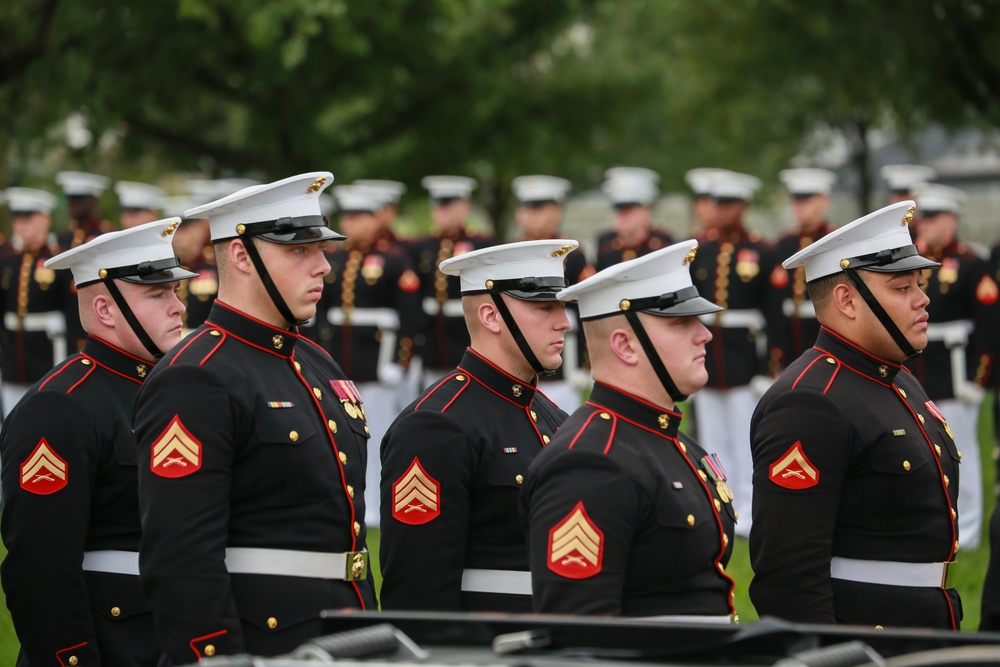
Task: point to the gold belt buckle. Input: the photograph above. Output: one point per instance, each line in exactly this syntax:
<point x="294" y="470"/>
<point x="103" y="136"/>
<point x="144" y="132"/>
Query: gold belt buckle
<point x="948" y="575"/>
<point x="356" y="565"/>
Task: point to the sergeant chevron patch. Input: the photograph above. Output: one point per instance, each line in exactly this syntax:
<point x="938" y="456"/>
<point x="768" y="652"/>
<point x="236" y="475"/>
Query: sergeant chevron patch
<point x="176" y="453"/>
<point x="794" y="470"/>
<point x="576" y="545"/>
<point x="44" y="472"/>
<point x="416" y="496"/>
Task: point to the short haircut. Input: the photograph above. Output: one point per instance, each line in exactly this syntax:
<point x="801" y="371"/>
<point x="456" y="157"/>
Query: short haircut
<point x="821" y="289"/>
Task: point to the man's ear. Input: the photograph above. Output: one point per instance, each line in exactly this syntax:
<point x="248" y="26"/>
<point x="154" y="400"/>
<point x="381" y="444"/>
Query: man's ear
<point x="489" y="316"/>
<point x="845" y="299"/>
<point x="103" y="309"/>
<point x="624" y="345"/>
<point x="238" y="257"/>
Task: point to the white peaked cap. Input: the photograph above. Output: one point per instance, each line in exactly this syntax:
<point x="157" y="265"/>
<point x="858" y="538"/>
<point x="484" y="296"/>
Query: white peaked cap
<point x="887" y="229"/>
<point x="145" y="249"/>
<point x="176" y="206"/>
<point x="937" y="198"/>
<point x="389" y="191"/>
<point x="543" y="261"/>
<point x="357" y="198"/>
<point x="29" y="200"/>
<point x="700" y="180"/>
<point x="140" y="195"/>
<point x="205" y="190"/>
<point x="447" y="187"/>
<point x="808" y="180"/>
<point x="81" y="184"/>
<point x="904" y="177"/>
<point x="631" y="185"/>
<point x="290" y="198"/>
<point x="539" y="188"/>
<point x="733" y="185"/>
<point x="664" y="275"/>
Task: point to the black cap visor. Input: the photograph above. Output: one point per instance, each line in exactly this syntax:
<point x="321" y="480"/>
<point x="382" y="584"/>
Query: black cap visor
<point x="682" y="303"/>
<point x="893" y="260"/>
<point x="528" y="289"/>
<point x="147" y="273"/>
<point x="292" y="231"/>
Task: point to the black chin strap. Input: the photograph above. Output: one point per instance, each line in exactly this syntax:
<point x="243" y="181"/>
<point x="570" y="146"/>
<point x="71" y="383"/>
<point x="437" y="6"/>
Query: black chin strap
<point x="132" y="320"/>
<point x="654" y="357"/>
<point x="515" y="331"/>
<point x="265" y="277"/>
<point x="904" y="345"/>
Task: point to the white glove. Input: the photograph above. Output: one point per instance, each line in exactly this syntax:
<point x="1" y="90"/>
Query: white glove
<point x="390" y="375"/>
<point x="759" y="384"/>
<point x="970" y="393"/>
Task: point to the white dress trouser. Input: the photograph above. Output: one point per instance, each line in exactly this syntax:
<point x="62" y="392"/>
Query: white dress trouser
<point x="723" y="420"/>
<point x="963" y="418"/>
<point x="381" y="406"/>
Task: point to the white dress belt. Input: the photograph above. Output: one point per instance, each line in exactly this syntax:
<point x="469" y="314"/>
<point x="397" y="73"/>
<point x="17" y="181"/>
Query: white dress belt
<point x="513" y="582"/>
<point x="52" y="322"/>
<point x="890" y="573"/>
<point x="288" y="563"/>
<point x="728" y="619"/>
<point x="383" y="318"/>
<point x="735" y="319"/>
<point x="807" y="310"/>
<point x="450" y="308"/>
<point x="114" y="562"/>
<point x="952" y="333"/>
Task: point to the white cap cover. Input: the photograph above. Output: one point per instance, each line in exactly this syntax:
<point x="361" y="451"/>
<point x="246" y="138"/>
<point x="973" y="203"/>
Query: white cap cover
<point x="936" y="198"/>
<point x="538" y="264"/>
<point x="807" y="181"/>
<point x="140" y="195"/>
<point x="29" y="200"/>
<point x="540" y="188"/>
<point x="449" y="187"/>
<point x="81" y="184"/>
<point x="904" y="177"/>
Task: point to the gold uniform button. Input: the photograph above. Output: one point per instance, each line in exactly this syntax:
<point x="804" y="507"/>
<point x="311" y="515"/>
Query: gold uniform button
<point x="367" y="431"/>
<point x="357" y="528"/>
<point x="214" y="332"/>
<point x="298" y="366"/>
<point x="902" y="392"/>
<point x="946" y="481"/>
<point x="534" y="416"/>
<point x="209" y="650"/>
<point x="333" y="426"/>
<point x="954" y="514"/>
<point x="831" y="360"/>
<point x="937" y="449"/>
<point x="959" y="455"/>
<point x="519" y="479"/>
<point x="293" y="436"/>
<point x="546" y="439"/>
<point x="725" y="540"/>
<point x="690" y="519"/>
<point x="956" y="545"/>
<point x="460" y="378"/>
<point x="704" y="477"/>
<point x="683" y="447"/>
<point x="921" y="418"/>
<point x="722" y="568"/>
<point x="605" y="415"/>
<point x="272" y="622"/>
<point x="317" y="393"/>
<point x="116" y="611"/>
<point x="350" y="490"/>
<point x="73" y="660"/>
<point x="343" y="458"/>
<point x="906" y="465"/>
<point x="879" y="627"/>
<point x="736" y="515"/>
<point x="85" y="362"/>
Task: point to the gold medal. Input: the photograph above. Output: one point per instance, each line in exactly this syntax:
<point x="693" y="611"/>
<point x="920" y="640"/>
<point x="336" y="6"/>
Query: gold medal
<point x="725" y="493"/>
<point x="349" y="408"/>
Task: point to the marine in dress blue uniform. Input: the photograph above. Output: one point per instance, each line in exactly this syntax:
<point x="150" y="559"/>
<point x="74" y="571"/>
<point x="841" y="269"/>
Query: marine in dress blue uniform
<point x="442" y="336"/>
<point x="626" y="515"/>
<point x="732" y="269"/>
<point x="632" y="192"/>
<point x="252" y="447"/>
<point x="71" y="507"/>
<point x="454" y="461"/>
<point x="856" y="470"/>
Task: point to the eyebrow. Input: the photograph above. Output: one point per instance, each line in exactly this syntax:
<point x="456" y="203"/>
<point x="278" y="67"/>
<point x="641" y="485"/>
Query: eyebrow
<point x="901" y="275"/>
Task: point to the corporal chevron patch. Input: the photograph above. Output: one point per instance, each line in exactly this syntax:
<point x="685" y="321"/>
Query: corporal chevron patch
<point x="576" y="545"/>
<point x="793" y="470"/>
<point x="176" y="453"/>
<point x="416" y="496"/>
<point x="44" y="472"/>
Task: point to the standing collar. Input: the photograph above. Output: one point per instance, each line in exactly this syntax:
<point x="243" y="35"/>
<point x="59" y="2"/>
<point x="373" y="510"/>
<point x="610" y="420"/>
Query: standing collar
<point x="496" y="380"/>
<point x="636" y="410"/>
<point x="252" y="331"/>
<point x="116" y="359"/>
<point x="852" y="356"/>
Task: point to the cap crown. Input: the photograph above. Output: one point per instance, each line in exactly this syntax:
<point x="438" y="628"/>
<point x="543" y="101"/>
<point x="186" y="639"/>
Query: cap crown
<point x="389" y="191"/>
<point x="727" y="184"/>
<point x="935" y="198"/>
<point x="808" y="181"/>
<point x="631" y="185"/>
<point x="449" y="187"/>
<point x="904" y="177"/>
<point x="540" y="188"/>
<point x="29" y="200"/>
<point x="357" y="198"/>
<point x="700" y="179"/>
<point x="140" y="195"/>
<point x="510" y="261"/>
<point x="81" y="184"/>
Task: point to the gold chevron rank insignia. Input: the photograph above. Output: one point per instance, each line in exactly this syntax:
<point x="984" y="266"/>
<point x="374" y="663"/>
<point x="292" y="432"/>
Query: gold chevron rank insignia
<point x="176" y="453"/>
<point x="794" y="470"/>
<point x="416" y="496"/>
<point x="576" y="545"/>
<point x="44" y="472"/>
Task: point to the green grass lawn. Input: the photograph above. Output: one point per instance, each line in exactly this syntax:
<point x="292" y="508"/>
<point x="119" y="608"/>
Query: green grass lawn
<point x="971" y="567"/>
